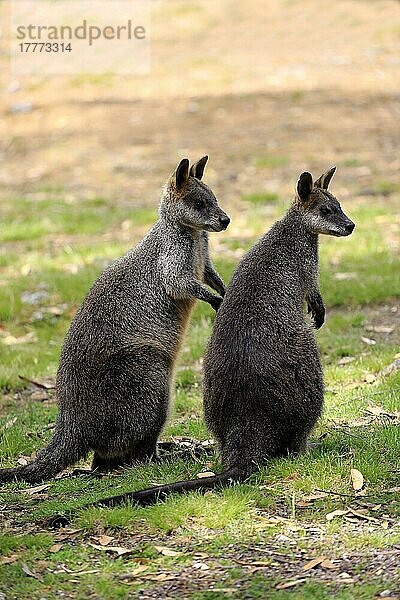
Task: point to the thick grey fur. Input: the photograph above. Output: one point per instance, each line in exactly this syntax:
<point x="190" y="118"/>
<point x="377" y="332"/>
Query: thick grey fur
<point x="263" y="385"/>
<point x="116" y="368"/>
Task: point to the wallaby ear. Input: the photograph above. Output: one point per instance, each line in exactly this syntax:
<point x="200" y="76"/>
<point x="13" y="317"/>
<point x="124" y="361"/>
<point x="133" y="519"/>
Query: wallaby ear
<point x="182" y="172"/>
<point x="197" y="170"/>
<point x="325" y="179"/>
<point x="304" y="185"/>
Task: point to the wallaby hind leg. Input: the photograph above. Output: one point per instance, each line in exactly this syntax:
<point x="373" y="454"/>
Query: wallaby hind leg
<point x="249" y="446"/>
<point x="104" y="464"/>
<point x="141" y="452"/>
<point x="298" y="444"/>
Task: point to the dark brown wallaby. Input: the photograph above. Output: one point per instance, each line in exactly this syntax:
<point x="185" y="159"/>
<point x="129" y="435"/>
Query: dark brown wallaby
<point x="263" y="387"/>
<point x="116" y="368"/>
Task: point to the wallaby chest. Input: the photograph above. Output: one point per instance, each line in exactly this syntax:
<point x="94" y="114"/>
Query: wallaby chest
<point x="199" y="257"/>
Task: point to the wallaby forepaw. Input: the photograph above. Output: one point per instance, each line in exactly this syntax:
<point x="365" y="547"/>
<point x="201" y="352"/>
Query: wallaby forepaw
<point x="216" y="303"/>
<point x="317" y="311"/>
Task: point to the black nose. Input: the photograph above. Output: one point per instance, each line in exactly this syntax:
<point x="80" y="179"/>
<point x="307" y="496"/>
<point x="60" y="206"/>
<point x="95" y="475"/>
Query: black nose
<point x="350" y="226"/>
<point x="225" y="220"/>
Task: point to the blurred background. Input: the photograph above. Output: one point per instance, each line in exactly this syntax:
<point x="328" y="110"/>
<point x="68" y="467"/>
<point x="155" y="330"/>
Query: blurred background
<point x="267" y="89"/>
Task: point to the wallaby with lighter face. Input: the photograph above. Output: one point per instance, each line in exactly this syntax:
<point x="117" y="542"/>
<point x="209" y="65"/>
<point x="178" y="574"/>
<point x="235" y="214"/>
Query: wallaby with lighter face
<point x="116" y="368"/>
<point x="263" y="386"/>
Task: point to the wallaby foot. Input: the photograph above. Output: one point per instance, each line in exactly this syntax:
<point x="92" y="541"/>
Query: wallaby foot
<point x="310" y="446"/>
<point x="315" y="307"/>
<point x="301" y="447"/>
<point x="86" y="472"/>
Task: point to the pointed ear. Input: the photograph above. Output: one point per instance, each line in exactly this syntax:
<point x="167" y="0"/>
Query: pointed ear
<point x="325" y="179"/>
<point x="182" y="173"/>
<point x="197" y="170"/>
<point x="304" y="185"/>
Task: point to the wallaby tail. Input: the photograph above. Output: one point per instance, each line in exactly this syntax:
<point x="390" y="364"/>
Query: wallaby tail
<point x="153" y="494"/>
<point x="62" y="451"/>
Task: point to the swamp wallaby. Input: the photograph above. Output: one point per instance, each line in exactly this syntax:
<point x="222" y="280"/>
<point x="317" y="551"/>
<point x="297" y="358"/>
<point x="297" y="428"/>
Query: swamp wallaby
<point x="116" y="368"/>
<point x="263" y="387"/>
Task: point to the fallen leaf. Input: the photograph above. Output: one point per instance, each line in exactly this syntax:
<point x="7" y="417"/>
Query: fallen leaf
<point x="328" y="564"/>
<point x="7" y="560"/>
<point x="39" y="396"/>
<point x="361" y="515"/>
<point x="26" y="269"/>
<point x="136" y="572"/>
<point x="336" y="513"/>
<point x="104" y="540"/>
<point x="205" y="474"/>
<point x="40" y="384"/>
<point x="380" y="329"/>
<point x="352" y="385"/>
<point x="368" y="341"/>
<point x="313" y="497"/>
<point x="71" y="268"/>
<point x="89" y="572"/>
<point x="345" y="360"/>
<point x="57" y="310"/>
<point x="303" y="503"/>
<point x="357" y="479"/>
<point x="55" y="548"/>
<point x="36" y="490"/>
<point x="67" y="534"/>
<point x="345" y="276"/>
<point x="23" y="460"/>
<point x="345" y="576"/>
<point x="160" y="577"/>
<point x="29" y="572"/>
<point x="289" y="584"/>
<point x="385" y="525"/>
<point x="369" y="378"/>
<point x="117" y="549"/>
<point x="394" y="366"/>
<point x="28" y="338"/>
<point x="375" y="410"/>
<point x="167" y="551"/>
<point x="201" y="566"/>
<point x="313" y="563"/>
<point x="10" y="423"/>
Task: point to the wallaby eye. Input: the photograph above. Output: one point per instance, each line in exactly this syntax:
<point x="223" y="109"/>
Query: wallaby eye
<point x="325" y="210"/>
<point x="199" y="204"/>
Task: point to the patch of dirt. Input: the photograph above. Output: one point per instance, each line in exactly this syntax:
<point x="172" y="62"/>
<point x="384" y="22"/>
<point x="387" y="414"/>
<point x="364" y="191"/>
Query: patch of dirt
<point x="381" y="321"/>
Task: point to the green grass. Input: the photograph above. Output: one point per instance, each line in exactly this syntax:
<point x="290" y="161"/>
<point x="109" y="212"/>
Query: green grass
<point x="33" y="218"/>
<point x="58" y="247"/>
<point x="272" y="161"/>
<point x="260" y="198"/>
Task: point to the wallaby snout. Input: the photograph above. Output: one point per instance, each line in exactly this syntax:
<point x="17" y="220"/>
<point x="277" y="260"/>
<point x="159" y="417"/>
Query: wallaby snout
<point x="338" y="224"/>
<point x="349" y="227"/>
<point x="224" y="220"/>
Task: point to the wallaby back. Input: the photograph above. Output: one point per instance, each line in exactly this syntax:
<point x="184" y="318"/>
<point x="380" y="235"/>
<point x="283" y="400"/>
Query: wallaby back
<point x="116" y="367"/>
<point x="263" y="386"/>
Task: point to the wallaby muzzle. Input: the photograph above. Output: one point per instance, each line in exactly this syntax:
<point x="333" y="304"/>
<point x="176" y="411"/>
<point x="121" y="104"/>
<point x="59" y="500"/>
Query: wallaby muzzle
<point x="346" y="227"/>
<point x="223" y="221"/>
